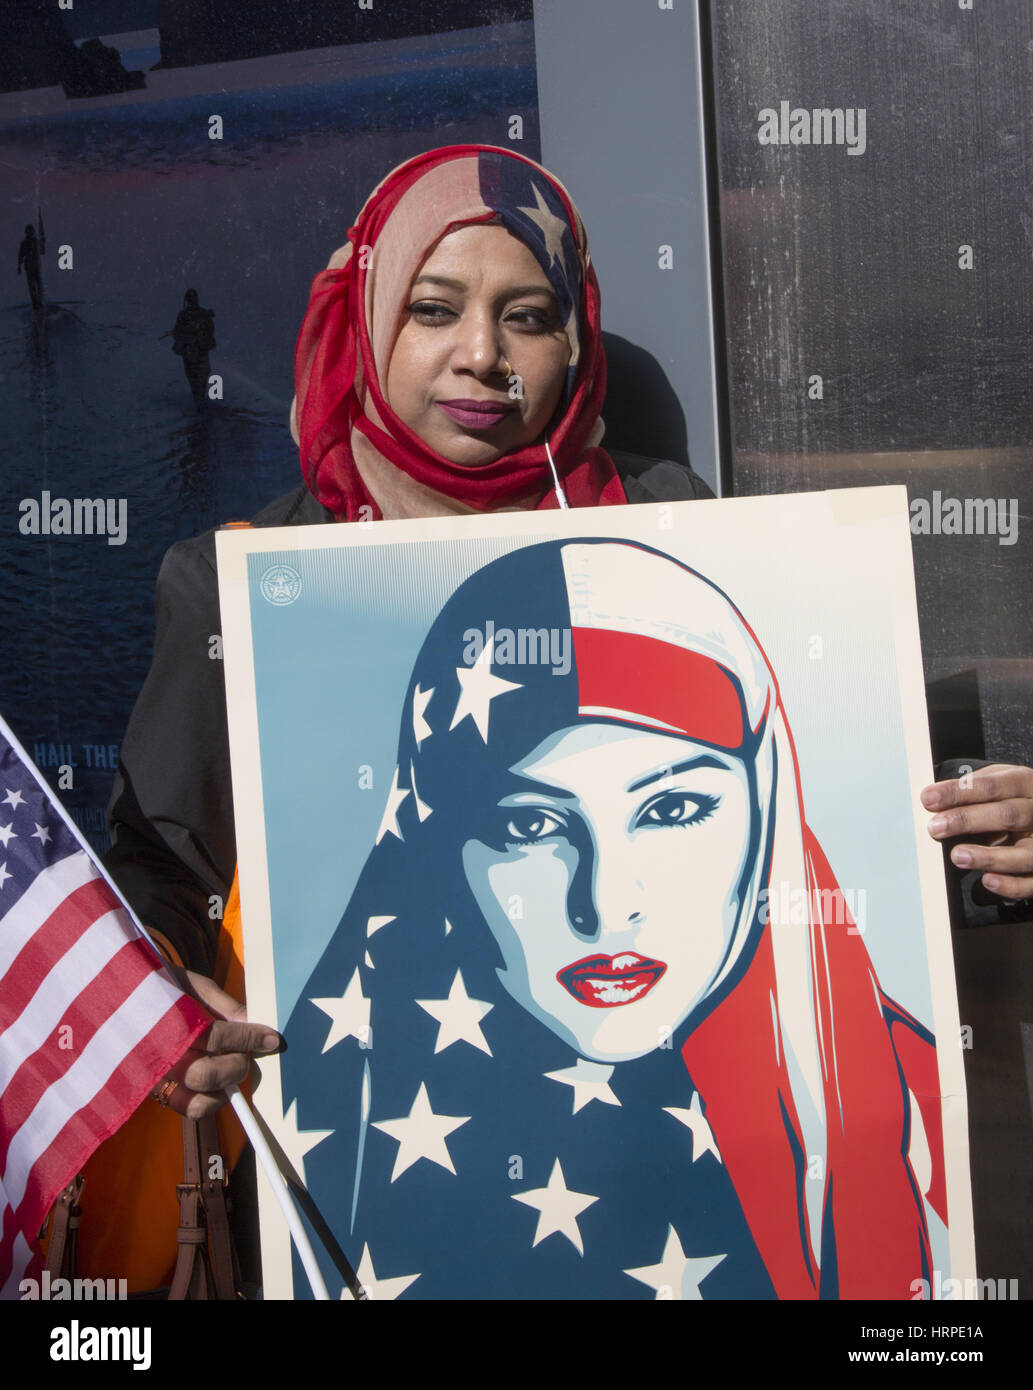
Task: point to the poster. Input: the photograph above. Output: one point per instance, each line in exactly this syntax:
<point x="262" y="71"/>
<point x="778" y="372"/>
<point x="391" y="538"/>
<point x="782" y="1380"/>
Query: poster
<point x="583" y="866"/>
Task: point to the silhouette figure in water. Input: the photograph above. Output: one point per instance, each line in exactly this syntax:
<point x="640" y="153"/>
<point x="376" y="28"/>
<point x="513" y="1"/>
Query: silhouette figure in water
<point x="193" y="338"/>
<point x="30" y="253"/>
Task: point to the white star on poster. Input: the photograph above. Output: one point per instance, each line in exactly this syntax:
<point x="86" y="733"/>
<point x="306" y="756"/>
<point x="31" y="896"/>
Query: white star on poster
<point x="477" y="688"/>
<point x="373" y="924"/>
<point x="420" y="728"/>
<point x="41" y="833"/>
<point x="12" y="799"/>
<point x="7" y="833"/>
<point x="422" y="809"/>
<point x="696" y="1122"/>
<point x="4" y="875"/>
<point x="588" y="1080"/>
<point x="676" y="1277"/>
<point x="552" y="228"/>
<point x="421" y="1134"/>
<point x="395" y="797"/>
<point x="296" y="1142"/>
<point x="349" y="1014"/>
<point x="378" y="1290"/>
<point x="558" y="1209"/>
<point x="459" y="1017"/>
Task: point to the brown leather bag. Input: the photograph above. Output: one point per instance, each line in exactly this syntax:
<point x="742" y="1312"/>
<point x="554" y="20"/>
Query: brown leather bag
<point x="206" y="1262"/>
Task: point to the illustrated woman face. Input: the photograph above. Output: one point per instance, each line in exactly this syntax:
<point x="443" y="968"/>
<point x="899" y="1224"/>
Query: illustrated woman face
<point x="480" y="305"/>
<point x="608" y="875"/>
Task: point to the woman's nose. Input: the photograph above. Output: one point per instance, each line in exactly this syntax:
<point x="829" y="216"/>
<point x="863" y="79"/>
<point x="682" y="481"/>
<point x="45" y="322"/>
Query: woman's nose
<point x="605" y="899"/>
<point x="478" y="347"/>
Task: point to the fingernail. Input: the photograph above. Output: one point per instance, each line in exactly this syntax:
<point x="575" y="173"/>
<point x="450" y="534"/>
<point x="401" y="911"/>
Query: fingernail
<point x="937" y="825"/>
<point x="962" y="857"/>
<point x="273" y="1043"/>
<point x="931" y="798"/>
<point x="992" y="882"/>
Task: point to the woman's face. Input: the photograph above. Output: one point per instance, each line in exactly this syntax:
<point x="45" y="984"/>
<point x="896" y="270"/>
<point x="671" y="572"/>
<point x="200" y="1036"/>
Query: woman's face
<point x="479" y="301"/>
<point x="609" y="876"/>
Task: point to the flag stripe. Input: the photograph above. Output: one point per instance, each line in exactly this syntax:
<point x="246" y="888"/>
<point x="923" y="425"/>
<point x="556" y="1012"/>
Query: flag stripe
<point x="90" y="1018"/>
<point x="73" y="939"/>
<point x="110" y="1107"/>
<point x="50" y="1061"/>
<point x="111" y="1046"/>
<point x="39" y="901"/>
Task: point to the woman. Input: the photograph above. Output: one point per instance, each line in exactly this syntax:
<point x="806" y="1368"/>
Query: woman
<point x="413" y="399"/>
<point x="594" y="1067"/>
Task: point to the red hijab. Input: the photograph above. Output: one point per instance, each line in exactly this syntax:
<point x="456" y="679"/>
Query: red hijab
<point x="346" y="431"/>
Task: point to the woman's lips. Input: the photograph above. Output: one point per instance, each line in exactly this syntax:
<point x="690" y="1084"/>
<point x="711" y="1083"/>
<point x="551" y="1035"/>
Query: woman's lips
<point x="476" y="415"/>
<point x="604" y="982"/>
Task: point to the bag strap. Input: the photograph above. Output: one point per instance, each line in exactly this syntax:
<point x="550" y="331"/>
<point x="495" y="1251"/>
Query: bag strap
<point x="206" y="1266"/>
<point x="217" y="1208"/>
<point x="64" y="1231"/>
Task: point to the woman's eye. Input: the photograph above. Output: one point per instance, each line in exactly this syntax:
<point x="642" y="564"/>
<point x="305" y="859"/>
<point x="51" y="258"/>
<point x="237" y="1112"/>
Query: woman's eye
<point x="428" y="312"/>
<point x="535" y="320"/>
<point x="678" y="808"/>
<point x="527" y="827"/>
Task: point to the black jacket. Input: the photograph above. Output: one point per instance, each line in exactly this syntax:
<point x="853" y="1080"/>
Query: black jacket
<point x="173" y="848"/>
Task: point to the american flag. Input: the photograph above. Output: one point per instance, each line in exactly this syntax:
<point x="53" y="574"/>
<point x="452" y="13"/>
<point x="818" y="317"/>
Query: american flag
<point x="89" y="1018"/>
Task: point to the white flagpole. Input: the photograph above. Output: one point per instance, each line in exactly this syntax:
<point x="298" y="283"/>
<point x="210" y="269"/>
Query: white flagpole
<point x="283" y="1196"/>
<point x="240" y="1105"/>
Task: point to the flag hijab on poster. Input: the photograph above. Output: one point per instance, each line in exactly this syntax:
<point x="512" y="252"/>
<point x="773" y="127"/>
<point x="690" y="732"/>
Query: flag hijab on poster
<point x="583" y="866"/>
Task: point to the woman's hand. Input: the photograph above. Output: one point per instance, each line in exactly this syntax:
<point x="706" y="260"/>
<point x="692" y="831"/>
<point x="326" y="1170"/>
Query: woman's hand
<point x="220" y="1057"/>
<point x="995" y="802"/>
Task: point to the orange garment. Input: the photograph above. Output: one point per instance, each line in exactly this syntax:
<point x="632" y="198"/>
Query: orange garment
<point x="130" y="1210"/>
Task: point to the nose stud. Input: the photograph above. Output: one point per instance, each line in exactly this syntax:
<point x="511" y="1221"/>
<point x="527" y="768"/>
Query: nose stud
<point x="509" y="369"/>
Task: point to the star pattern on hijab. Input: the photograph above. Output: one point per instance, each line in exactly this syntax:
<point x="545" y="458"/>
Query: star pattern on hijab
<point x="376" y="1289"/>
<point x="588" y="1080"/>
<point x="676" y="1276"/>
<point x="558" y="1208"/>
<point x="395" y="797"/>
<point x="458" y="1017"/>
<point x="551" y="227"/>
<point x="349" y="1014"/>
<point x="695" y="1121"/>
<point x="421" y="1134"/>
<point x="420" y="728"/>
<point x="477" y="688"/>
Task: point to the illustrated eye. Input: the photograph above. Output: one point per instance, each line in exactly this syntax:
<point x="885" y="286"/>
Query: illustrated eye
<point x="530" y="826"/>
<point x="678" y="808"/>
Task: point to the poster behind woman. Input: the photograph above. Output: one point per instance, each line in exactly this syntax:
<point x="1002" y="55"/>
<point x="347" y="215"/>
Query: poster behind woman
<point x="581" y="864"/>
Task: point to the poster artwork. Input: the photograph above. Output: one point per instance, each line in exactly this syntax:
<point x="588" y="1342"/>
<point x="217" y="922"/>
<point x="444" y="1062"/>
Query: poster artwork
<point x="582" y="867"/>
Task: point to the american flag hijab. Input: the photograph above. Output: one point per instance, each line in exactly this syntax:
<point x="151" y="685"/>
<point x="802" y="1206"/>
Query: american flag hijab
<point x="340" y="418"/>
<point x="471" y="1144"/>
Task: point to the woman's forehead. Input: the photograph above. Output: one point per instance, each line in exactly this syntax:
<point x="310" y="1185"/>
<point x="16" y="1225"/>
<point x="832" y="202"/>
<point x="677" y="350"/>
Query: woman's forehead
<point x="485" y="254"/>
<point x="618" y="756"/>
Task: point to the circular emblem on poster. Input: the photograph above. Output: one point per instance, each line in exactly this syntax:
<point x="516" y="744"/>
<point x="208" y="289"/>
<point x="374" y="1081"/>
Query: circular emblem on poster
<point x="280" y="585"/>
